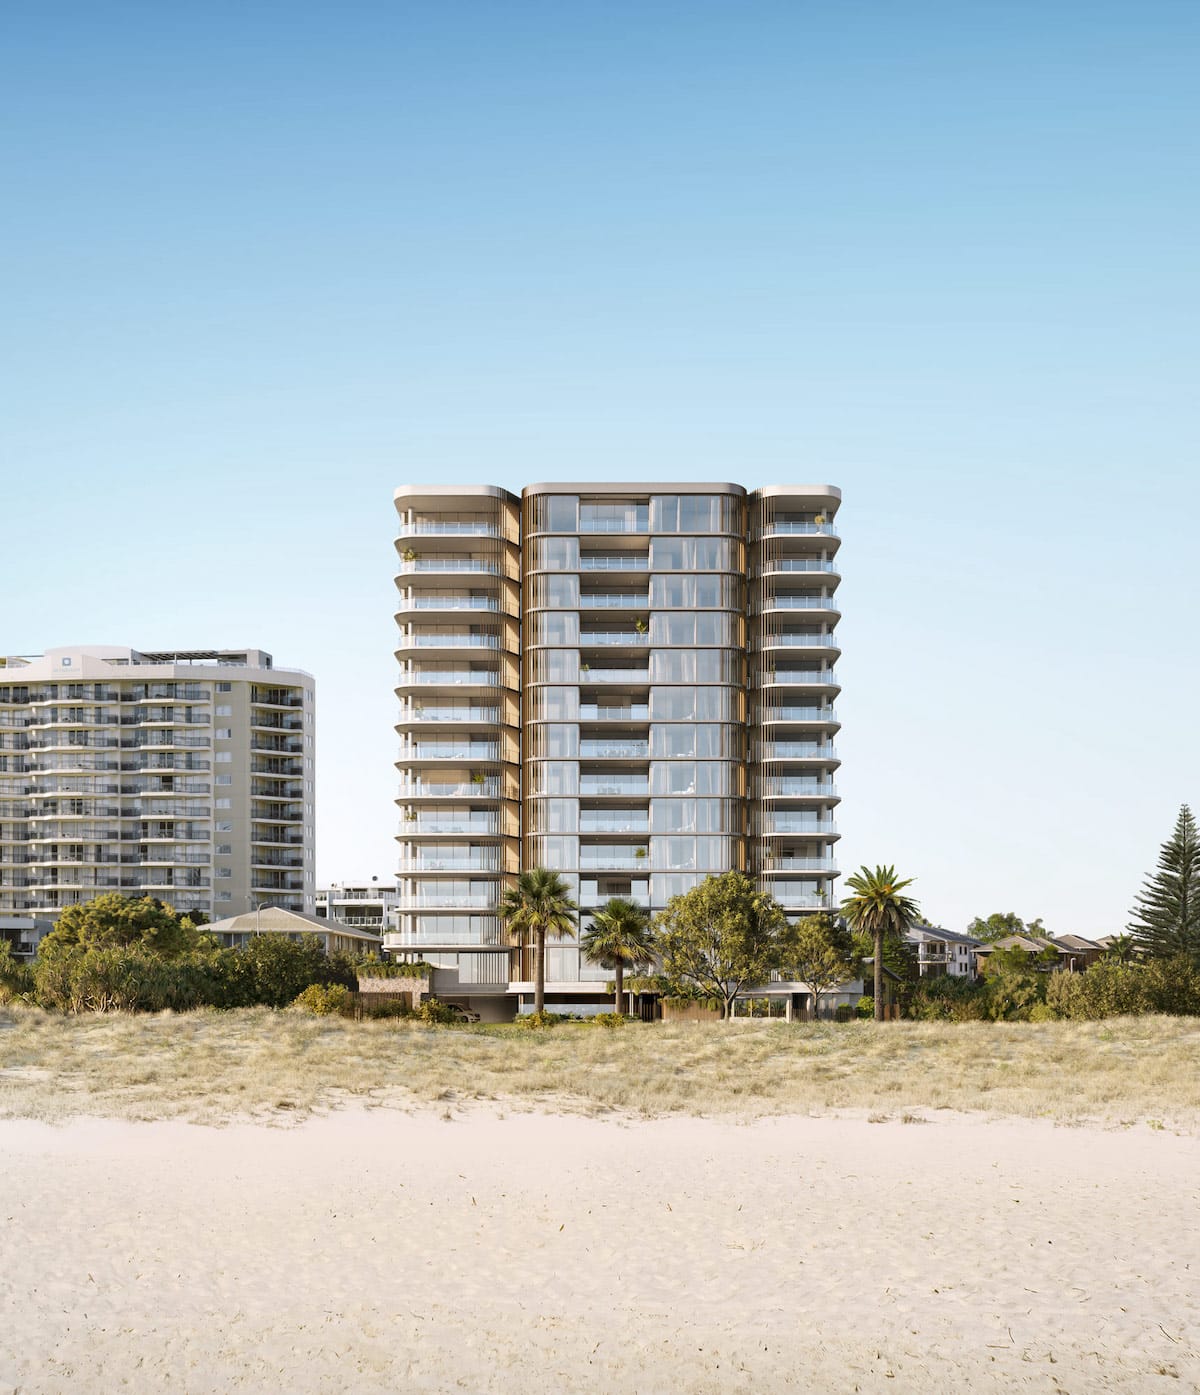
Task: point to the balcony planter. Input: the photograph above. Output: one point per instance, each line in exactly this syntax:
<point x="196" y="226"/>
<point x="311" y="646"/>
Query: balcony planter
<point x="409" y="554"/>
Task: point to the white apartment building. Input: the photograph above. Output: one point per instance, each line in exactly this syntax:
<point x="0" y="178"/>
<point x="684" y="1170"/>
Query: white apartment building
<point x="363" y="904"/>
<point x="943" y="952"/>
<point x="632" y="684"/>
<point x="185" y="775"/>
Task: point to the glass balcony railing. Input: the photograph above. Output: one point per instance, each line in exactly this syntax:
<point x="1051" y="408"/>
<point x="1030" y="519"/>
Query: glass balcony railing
<point x="628" y="859"/>
<point x="596" y="712"/>
<point x="450" y="789"/>
<point x="796" y="641"/>
<point x="433" y="526"/>
<point x="632" y="676"/>
<point x="799" y="603"/>
<point x="429" y="713"/>
<point x="799" y="714"/>
<point x="615" y="784"/>
<point x="788" y="824"/>
<point x="802" y="677"/>
<point x="634" y="822"/>
<point x="796" y="750"/>
<point x="614" y="750"/>
<point x="484" y="827"/>
<point x="619" y="600"/>
<point x="447" y="900"/>
<point x="791" y="898"/>
<point x="485" y="861"/>
<point x="786" y="787"/>
<point x="450" y="677"/>
<point x="798" y="864"/>
<point x="591" y="638"/>
<point x="445" y="639"/>
<point x="450" y="750"/>
<point x="636" y="521"/>
<point x="798" y="564"/>
<point x="472" y="565"/>
<point x="422" y="600"/>
<point x="616" y="562"/>
<point x="783" y="529"/>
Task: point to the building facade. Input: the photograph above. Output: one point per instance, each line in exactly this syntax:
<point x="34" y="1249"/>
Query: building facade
<point x="365" y="905"/>
<point x="632" y="684"/>
<point x="186" y="775"/>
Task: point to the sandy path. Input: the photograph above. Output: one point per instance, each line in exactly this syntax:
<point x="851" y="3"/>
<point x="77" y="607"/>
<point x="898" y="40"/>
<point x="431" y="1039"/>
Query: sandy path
<point x="383" y="1252"/>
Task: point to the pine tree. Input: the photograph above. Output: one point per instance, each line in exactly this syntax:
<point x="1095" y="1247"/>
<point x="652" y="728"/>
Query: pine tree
<point x="1167" y="913"/>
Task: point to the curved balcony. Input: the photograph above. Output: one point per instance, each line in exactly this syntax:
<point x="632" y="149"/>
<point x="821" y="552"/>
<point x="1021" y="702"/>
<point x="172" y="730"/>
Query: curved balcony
<point x="447" y="640"/>
<point x="782" y="528"/>
<point x="800" y="678"/>
<point x="797" y="641"/>
<point x="797" y="715"/>
<point x="788" y="566"/>
<point x="777" y="605"/>
<point x="482" y="787"/>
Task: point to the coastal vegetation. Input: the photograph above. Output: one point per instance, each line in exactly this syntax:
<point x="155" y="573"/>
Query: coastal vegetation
<point x="257" y="1063"/>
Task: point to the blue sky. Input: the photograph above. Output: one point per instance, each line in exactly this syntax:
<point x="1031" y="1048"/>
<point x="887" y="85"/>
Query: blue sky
<point x="263" y="263"/>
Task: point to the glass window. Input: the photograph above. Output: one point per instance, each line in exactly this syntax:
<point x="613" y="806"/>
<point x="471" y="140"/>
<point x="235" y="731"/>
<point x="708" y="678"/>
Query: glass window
<point x="559" y="512"/>
<point x="673" y="740"/>
<point x="554" y="851"/>
<point x="552" y="777"/>
<point x="554" y="590"/>
<point x="673" y="853"/>
<point x="670" y="555"/>
<point x="672" y="592"/>
<point x="673" y="815"/>
<point x="554" y="627"/>
<point x="673" y="704"/>
<point x="553" y="554"/>
<point x="673" y="777"/>
<point x="664" y="885"/>
<point x="713" y="854"/>
<point x="554" y="704"/>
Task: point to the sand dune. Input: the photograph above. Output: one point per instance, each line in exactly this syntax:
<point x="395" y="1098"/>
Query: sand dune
<point x="382" y="1251"/>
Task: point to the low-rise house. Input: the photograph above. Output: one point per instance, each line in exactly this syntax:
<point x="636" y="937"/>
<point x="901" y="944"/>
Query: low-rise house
<point x="1079" y="954"/>
<point x="943" y="952"/>
<point x="23" y="933"/>
<point x="1046" y="953"/>
<point x="274" y="920"/>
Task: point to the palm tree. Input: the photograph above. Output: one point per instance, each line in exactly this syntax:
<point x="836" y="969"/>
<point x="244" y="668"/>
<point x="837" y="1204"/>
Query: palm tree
<point x="619" y="937"/>
<point x="878" y="909"/>
<point x="539" y="906"/>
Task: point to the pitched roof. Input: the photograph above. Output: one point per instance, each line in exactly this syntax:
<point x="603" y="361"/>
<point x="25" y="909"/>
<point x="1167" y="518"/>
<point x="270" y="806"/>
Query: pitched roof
<point x="277" y="920"/>
<point x="1077" y="942"/>
<point x="936" y="932"/>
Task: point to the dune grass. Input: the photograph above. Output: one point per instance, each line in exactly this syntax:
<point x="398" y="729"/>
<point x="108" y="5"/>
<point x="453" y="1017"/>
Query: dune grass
<point x="215" y="1067"/>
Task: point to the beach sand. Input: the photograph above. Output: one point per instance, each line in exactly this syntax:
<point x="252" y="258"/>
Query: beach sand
<point x="383" y="1251"/>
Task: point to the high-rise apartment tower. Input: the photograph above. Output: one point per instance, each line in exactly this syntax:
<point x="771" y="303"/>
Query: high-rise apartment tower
<point x="185" y="775"/>
<point x="631" y="684"/>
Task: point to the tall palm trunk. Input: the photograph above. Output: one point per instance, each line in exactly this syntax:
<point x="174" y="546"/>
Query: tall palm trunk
<point x="879" y="975"/>
<point x="539" y="971"/>
<point x="619" y="994"/>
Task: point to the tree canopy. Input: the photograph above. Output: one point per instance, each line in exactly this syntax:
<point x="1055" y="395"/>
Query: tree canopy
<point x="619" y="938"/>
<point x="876" y="907"/>
<point x="719" y="938"/>
<point x="539" y="906"/>
<point x="1001" y="923"/>
<point x="820" y="952"/>
<point x="114" y="921"/>
<point x="1166" y="915"/>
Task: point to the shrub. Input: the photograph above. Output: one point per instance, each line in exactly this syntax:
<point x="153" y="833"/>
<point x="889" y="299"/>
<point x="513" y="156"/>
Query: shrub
<point x="16" y="977"/>
<point x="865" y="1007"/>
<point x="392" y="968"/>
<point x="547" y="1019"/>
<point x="843" y="1013"/>
<point x="434" y="1013"/>
<point x="608" y="1019"/>
<point x="326" y="1000"/>
<point x="384" y="1007"/>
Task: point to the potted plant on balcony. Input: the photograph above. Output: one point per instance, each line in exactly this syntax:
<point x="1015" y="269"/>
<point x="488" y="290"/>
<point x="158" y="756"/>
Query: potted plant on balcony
<point x="819" y="520"/>
<point x="477" y="777"/>
<point x="640" y="626"/>
<point x="409" y="554"/>
<point x="410" y="815"/>
<point x="639" y="853"/>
